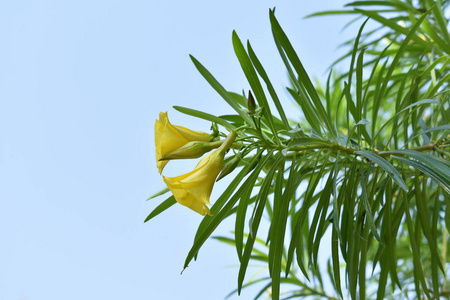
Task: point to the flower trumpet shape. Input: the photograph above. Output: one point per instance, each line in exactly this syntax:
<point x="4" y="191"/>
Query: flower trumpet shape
<point x="194" y="189"/>
<point x="169" y="138"/>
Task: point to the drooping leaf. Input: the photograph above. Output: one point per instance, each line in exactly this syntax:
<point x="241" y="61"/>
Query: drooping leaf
<point x="390" y="170"/>
<point x="160" y="208"/>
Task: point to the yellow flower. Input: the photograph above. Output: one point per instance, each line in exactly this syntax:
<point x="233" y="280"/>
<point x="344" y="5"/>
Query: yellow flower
<point x="170" y="137"/>
<point x="194" y="189"/>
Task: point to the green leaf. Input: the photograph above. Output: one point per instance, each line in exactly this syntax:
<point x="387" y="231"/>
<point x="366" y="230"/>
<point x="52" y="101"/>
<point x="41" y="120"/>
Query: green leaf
<point x="319" y="221"/>
<point x="296" y="243"/>
<point x="433" y="91"/>
<point x="162" y="207"/>
<point x="447" y="211"/>
<point x="332" y="12"/>
<point x="440" y="178"/>
<point x="377" y="99"/>
<point x="273" y="94"/>
<point x="282" y="40"/>
<point x="401" y="50"/>
<point x="369" y="214"/>
<point x="421" y="102"/>
<point x="218" y="217"/>
<point x="433" y="65"/>
<point x="220" y="202"/>
<point x="389" y="231"/>
<point x="159" y="193"/>
<point x="382" y="281"/>
<point x="205" y="116"/>
<point x="397" y="4"/>
<point x="336" y="264"/>
<point x="390" y="170"/>
<point x="437" y="128"/>
<point x="438" y="14"/>
<point x="277" y="233"/>
<point x="255" y="221"/>
<point x="359" y="71"/>
<point x="253" y="80"/>
<point x="221" y="90"/>
<point x="410" y="34"/>
<point x="419" y="275"/>
<point x="435" y="259"/>
<point x="308" y="141"/>
<point x="308" y="110"/>
<point x="242" y="210"/>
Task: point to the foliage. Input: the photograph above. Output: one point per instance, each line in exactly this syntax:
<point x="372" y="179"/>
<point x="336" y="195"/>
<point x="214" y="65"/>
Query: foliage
<point x="364" y="176"/>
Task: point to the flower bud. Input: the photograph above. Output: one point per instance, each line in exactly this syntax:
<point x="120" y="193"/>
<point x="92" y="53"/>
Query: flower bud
<point x="192" y="150"/>
<point x="251" y="104"/>
<point x="215" y="129"/>
<point x="229" y="166"/>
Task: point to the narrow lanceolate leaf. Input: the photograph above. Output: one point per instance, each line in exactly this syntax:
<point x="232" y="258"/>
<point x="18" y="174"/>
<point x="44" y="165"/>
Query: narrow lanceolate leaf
<point x="307" y="108"/>
<point x="359" y="85"/>
<point x="243" y="205"/>
<point x="161" y="192"/>
<point x="395" y="26"/>
<point x="282" y="40"/>
<point x="332" y="12"/>
<point x="255" y="221"/>
<point x="205" y="116"/>
<point x="414" y="105"/>
<point x="435" y="167"/>
<point x="275" y="214"/>
<point x="433" y="91"/>
<point x="410" y="35"/>
<point x="391" y="171"/>
<point x="273" y="94"/>
<point x="221" y="90"/>
<point x="438" y="13"/>
<point x="439" y="178"/>
<point x="435" y="259"/>
<point x="419" y="275"/>
<point x="437" y="128"/>
<point x="422" y="211"/>
<point x="369" y="214"/>
<point x="308" y="141"/>
<point x="319" y="223"/>
<point x="397" y="4"/>
<point x="420" y="102"/>
<point x="240" y="221"/>
<point x="435" y="162"/>
<point x="336" y="263"/>
<point x="278" y="230"/>
<point x="222" y="214"/>
<point x="358" y="70"/>
<point x="220" y="202"/>
<point x="160" y="208"/>
<point x="253" y="80"/>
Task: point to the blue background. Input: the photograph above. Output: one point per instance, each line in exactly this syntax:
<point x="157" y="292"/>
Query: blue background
<point x="81" y="84"/>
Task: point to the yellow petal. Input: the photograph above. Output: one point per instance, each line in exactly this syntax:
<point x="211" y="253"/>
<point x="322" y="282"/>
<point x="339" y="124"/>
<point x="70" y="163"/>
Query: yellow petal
<point x="192" y="135"/>
<point x="194" y="189"/>
<point x="169" y="138"/>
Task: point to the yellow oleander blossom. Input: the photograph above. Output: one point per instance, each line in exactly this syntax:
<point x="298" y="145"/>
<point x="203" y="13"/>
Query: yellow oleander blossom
<point x="169" y="138"/>
<point x="194" y="189"/>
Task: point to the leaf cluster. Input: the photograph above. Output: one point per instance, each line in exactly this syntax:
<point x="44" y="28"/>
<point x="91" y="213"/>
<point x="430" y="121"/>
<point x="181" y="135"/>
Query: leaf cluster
<point x="364" y="177"/>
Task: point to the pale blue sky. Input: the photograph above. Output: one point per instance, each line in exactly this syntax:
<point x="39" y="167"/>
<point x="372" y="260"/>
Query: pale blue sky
<point x="81" y="84"/>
